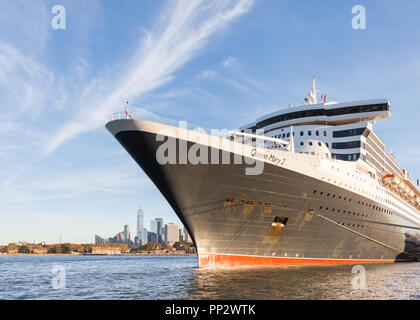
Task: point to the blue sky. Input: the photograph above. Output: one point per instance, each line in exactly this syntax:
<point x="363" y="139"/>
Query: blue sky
<point x="219" y="64"/>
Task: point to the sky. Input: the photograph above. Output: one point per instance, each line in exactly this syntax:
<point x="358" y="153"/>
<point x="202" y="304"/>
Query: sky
<point x="217" y="64"/>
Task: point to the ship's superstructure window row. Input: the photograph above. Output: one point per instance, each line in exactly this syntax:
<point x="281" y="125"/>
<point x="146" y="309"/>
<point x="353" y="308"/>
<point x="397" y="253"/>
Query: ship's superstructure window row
<point x="348" y="133"/>
<point x="346" y="145"/>
<point x="322" y="112"/>
<point x="346" y="157"/>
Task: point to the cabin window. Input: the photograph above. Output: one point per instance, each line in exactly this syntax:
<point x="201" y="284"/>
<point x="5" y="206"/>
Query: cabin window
<point x="301" y="133"/>
<point x="309" y="133"/>
<point x="317" y="133"/>
<point x="302" y="143"/>
<point x="325" y="133"/>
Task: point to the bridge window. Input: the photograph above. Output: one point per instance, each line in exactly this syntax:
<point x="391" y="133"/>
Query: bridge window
<point x="346" y="145"/>
<point x="348" y="133"/>
<point x="321" y="112"/>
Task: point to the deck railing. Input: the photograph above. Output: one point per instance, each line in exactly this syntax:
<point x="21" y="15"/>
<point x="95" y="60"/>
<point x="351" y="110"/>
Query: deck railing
<point x="162" y="120"/>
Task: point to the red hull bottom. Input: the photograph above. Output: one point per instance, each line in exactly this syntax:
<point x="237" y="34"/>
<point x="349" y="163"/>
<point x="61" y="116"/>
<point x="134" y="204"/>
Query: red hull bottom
<point x="210" y="260"/>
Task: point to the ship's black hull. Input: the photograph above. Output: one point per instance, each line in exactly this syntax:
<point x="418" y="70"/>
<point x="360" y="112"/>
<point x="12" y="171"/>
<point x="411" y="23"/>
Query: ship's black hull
<point x="235" y="219"/>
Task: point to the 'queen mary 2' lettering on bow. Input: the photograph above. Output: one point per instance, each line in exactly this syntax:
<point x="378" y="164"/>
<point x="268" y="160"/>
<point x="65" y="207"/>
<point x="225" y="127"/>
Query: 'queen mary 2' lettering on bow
<point x="268" y="157"/>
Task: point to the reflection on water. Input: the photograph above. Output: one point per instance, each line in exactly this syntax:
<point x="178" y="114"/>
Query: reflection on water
<point x="395" y="281"/>
<point x="179" y="278"/>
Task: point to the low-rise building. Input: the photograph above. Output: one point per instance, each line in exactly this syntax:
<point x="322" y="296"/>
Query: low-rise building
<point x="105" y="250"/>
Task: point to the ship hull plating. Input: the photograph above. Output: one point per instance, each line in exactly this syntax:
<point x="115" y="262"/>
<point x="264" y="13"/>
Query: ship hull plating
<point x="280" y="216"/>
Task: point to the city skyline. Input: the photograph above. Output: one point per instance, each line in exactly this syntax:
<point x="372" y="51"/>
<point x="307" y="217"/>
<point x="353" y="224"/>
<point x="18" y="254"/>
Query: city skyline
<point x="165" y="232"/>
<point x="63" y="176"/>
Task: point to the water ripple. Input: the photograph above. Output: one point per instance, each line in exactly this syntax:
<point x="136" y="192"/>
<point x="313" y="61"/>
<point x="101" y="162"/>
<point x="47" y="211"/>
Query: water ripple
<point x="177" y="277"/>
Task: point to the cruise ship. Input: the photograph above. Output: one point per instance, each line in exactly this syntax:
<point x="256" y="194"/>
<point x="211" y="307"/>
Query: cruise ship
<point x="310" y="184"/>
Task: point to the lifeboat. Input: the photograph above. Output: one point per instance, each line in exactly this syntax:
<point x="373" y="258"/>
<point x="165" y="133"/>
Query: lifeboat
<point x="386" y="181"/>
<point x="413" y="199"/>
<point x="391" y="179"/>
<point x="411" y="194"/>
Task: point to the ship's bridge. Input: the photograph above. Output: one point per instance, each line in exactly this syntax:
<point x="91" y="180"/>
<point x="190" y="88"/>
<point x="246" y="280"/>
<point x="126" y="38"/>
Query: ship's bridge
<point x="330" y="114"/>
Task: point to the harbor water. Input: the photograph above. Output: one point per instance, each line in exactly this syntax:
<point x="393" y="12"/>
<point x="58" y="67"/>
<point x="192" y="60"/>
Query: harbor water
<point x="178" y="277"/>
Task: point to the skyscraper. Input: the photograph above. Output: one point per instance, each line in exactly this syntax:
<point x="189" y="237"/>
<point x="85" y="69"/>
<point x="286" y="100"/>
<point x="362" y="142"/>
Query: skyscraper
<point x="144" y="239"/>
<point x="153" y="226"/>
<point x="186" y="235"/>
<point x="171" y="233"/>
<point x="156" y="226"/>
<point x="140" y="222"/>
<point x="126" y="233"/>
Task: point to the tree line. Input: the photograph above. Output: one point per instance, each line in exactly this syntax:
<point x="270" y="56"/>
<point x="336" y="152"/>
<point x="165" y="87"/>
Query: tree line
<point x="71" y="248"/>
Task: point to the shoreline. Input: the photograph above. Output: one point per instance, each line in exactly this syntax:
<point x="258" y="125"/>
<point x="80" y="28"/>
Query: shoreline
<point x="89" y="254"/>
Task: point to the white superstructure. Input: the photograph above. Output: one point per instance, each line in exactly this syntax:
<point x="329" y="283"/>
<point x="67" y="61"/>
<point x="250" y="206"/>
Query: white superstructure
<point x="344" y="131"/>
